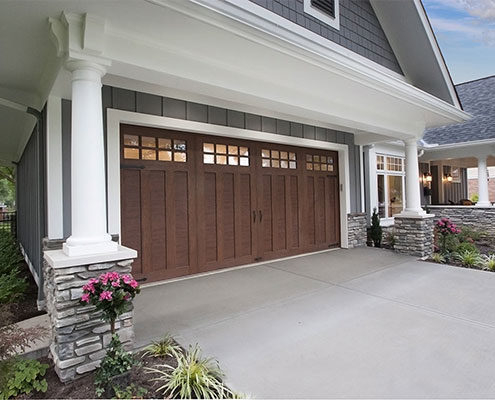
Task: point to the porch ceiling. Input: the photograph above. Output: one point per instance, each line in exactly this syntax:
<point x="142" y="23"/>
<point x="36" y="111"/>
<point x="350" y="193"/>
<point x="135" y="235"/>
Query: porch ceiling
<point x="187" y="50"/>
<point x="462" y="154"/>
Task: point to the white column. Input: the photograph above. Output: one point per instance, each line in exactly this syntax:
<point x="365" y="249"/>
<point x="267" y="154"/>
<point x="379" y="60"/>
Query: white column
<point x="89" y="213"/>
<point x="413" y="196"/>
<point x="483" y="200"/>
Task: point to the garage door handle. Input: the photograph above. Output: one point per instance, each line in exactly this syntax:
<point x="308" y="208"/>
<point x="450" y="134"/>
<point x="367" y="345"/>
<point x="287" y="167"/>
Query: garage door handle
<point x="261" y="215"/>
<point x="254" y="216"/>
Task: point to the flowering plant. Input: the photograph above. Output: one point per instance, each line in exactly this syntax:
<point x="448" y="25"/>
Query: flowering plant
<point x="111" y="293"/>
<point x="446" y="229"/>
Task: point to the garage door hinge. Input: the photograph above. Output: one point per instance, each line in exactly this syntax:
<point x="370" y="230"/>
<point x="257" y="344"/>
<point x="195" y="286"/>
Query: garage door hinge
<point x="341" y="187"/>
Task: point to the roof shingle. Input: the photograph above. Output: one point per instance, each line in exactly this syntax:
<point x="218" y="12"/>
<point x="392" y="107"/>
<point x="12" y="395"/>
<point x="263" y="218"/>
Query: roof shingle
<point x="478" y="99"/>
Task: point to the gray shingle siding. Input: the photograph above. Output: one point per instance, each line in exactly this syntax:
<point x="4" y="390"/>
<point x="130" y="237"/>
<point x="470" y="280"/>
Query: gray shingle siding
<point x="360" y="31"/>
<point x="478" y="99"/>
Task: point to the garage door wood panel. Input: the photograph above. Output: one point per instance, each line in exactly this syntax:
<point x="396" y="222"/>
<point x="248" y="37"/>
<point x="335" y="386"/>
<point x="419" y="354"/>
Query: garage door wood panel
<point x="193" y="203"/>
<point x="225" y="200"/>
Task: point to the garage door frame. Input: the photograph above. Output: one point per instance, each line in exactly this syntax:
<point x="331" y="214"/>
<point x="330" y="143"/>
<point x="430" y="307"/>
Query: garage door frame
<point x="117" y="117"/>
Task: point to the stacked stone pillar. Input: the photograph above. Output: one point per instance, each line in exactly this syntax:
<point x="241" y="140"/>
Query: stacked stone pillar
<point x="356" y="230"/>
<point x="79" y="335"/>
<point x="414" y="235"/>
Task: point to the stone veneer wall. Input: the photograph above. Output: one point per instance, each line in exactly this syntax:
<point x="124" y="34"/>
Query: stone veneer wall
<point x="480" y="219"/>
<point x="79" y="335"/>
<point x="414" y="236"/>
<point x="356" y="226"/>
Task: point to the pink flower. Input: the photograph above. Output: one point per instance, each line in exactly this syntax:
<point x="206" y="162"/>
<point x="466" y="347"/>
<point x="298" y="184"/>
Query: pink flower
<point x="127" y="297"/>
<point x="85" y="297"/>
<point x="127" y="279"/>
<point x="134" y="284"/>
<point x="115" y="284"/>
<point x="106" y="295"/>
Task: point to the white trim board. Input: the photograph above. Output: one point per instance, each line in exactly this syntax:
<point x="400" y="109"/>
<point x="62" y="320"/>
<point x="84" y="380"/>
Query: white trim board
<point x="117" y="117"/>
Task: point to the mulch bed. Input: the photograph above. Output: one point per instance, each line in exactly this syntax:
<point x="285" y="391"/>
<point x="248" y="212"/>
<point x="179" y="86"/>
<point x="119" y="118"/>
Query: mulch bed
<point x="26" y="307"/>
<point x="84" y="388"/>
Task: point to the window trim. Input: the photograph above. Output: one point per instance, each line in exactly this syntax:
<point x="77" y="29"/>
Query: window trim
<point x="334" y="22"/>
<point x="385" y="172"/>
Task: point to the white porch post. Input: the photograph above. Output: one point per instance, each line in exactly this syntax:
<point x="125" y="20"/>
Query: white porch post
<point x="89" y="213"/>
<point x="413" y="196"/>
<point x="483" y="200"/>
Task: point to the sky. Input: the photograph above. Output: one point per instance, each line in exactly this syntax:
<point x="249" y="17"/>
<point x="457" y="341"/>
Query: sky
<point x="465" y="31"/>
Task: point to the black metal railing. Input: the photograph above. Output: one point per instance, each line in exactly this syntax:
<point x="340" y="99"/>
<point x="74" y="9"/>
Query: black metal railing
<point x="8" y="222"/>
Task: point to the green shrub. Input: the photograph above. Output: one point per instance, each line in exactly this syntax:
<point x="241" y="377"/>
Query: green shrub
<point x="376" y="230"/>
<point x="474" y="197"/>
<point x="469" y="259"/>
<point x="438" y="258"/>
<point x="466" y="246"/>
<point x="116" y="362"/>
<point x="166" y="346"/>
<point x="12" y="286"/>
<point x="194" y="377"/>
<point x="23" y="377"/>
<point x="469" y="235"/>
<point x="488" y="262"/>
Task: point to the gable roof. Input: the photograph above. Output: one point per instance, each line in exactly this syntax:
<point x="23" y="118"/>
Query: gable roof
<point x="413" y="41"/>
<point x="477" y="98"/>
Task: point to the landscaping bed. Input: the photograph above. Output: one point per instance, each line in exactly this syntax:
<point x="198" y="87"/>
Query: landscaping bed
<point x="84" y="388"/>
<point x="462" y="247"/>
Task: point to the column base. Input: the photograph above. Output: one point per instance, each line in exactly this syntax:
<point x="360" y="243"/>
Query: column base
<point x="414" y="234"/>
<point x="484" y="204"/>
<point x="79" y="335"/>
<point x="89" y="249"/>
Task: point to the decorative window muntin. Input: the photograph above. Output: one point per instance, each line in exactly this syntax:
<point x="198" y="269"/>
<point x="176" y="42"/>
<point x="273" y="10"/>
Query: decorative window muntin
<point x="389" y="163"/>
<point x="225" y="154"/>
<point x="316" y="162"/>
<point x="150" y="148"/>
<point x="278" y="159"/>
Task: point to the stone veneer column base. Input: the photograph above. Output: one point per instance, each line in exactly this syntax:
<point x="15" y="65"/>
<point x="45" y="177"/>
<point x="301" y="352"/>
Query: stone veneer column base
<point x="414" y="235"/>
<point x="356" y="230"/>
<point x="79" y="335"/>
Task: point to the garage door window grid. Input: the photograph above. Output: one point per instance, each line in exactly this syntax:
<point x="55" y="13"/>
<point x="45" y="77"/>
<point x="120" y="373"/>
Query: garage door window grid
<point x="315" y="162"/>
<point x="278" y="159"/>
<point x="225" y="154"/>
<point x="154" y="149"/>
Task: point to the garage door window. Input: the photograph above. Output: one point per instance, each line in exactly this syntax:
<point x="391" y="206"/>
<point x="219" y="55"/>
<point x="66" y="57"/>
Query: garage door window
<point x="225" y="154"/>
<point x="315" y="162"/>
<point x="278" y="159"/>
<point x="154" y="149"/>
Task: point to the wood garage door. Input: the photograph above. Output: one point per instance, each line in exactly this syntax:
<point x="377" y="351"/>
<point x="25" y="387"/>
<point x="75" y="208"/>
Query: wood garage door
<point x="193" y="203"/>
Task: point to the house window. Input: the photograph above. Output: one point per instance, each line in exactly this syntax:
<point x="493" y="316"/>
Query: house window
<point x="327" y="11"/>
<point x="390" y="185"/>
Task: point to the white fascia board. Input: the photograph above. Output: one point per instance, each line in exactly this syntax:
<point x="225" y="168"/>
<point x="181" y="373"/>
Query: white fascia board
<point x="481" y="148"/>
<point x="314" y="48"/>
<point x="437" y="52"/>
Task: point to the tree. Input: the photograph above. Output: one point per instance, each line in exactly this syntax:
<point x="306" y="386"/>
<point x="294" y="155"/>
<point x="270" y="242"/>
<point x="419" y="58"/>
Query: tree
<point x="7" y="186"/>
<point x="376" y="229"/>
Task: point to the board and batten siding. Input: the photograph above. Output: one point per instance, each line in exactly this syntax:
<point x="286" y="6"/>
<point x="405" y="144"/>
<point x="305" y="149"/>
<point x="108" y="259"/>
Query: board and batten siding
<point x="360" y="31"/>
<point x="31" y="211"/>
<point x="455" y="191"/>
<point x="145" y="103"/>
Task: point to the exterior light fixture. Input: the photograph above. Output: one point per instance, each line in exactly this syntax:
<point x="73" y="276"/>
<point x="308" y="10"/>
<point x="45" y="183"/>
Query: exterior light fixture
<point x="427" y="177"/>
<point x="448" y="177"/>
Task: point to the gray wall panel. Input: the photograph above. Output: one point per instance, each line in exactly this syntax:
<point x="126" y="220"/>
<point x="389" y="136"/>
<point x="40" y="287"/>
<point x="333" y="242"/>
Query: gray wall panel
<point x="283" y="127"/>
<point x="360" y="31"/>
<point x="148" y="104"/>
<point x="235" y="119"/>
<point x="124" y="99"/>
<point x="253" y="122"/>
<point x="217" y="115"/>
<point x="31" y="199"/>
<point x="196" y="112"/>
<point x="66" y="165"/>
<point x="174" y="108"/>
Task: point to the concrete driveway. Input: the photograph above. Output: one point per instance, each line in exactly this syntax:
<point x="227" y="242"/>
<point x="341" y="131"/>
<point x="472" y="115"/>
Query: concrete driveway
<point x="362" y="323"/>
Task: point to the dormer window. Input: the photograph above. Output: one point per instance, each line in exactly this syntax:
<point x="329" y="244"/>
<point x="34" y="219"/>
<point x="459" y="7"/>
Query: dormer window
<point x="327" y="11"/>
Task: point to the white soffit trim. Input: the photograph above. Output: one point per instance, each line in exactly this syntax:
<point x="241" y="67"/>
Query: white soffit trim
<point x="264" y="27"/>
<point x="460" y="145"/>
<point x="411" y="37"/>
<point x="117" y="117"/>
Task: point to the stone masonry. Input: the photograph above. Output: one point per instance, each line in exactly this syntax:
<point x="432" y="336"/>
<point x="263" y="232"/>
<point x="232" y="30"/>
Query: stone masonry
<point x="479" y="219"/>
<point x="356" y="226"/>
<point x="414" y="236"/>
<point x="79" y="335"/>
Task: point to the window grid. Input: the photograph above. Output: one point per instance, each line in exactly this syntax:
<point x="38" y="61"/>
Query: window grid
<point x="149" y="148"/>
<point x="225" y="154"/>
<point x="315" y="162"/>
<point x="278" y="159"/>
